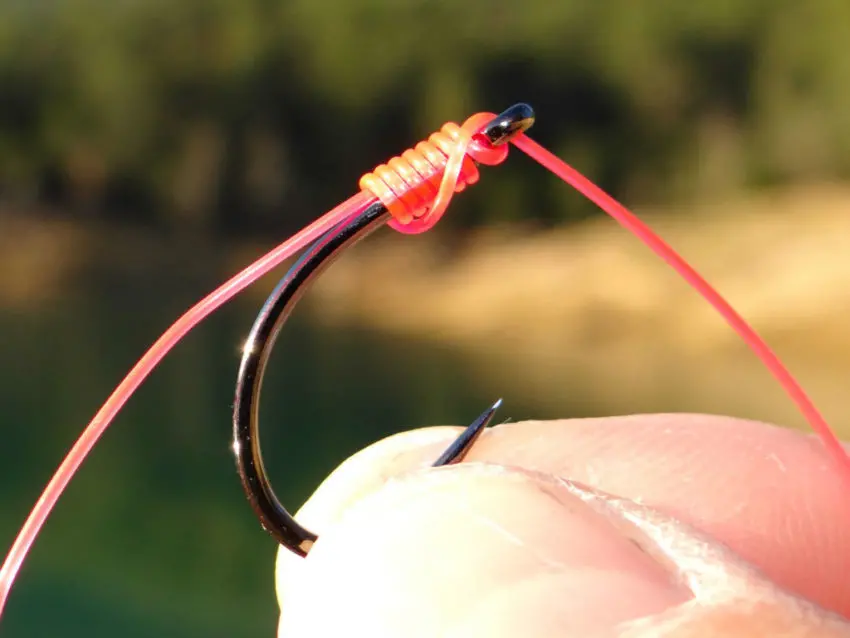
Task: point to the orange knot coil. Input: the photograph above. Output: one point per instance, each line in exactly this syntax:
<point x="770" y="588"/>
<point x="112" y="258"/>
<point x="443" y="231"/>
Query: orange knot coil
<point x="416" y="187"/>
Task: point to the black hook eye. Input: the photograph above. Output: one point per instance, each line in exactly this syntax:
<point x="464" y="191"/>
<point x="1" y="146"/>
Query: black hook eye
<point x="510" y="123"/>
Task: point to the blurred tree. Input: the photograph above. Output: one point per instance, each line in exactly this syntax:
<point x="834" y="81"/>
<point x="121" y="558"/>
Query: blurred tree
<point x="237" y="114"/>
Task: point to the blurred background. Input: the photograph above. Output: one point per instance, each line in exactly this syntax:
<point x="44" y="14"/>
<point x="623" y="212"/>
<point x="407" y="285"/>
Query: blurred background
<point x="148" y="149"/>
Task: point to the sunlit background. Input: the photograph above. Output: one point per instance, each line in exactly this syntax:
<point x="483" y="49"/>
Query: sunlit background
<point x="149" y="148"/>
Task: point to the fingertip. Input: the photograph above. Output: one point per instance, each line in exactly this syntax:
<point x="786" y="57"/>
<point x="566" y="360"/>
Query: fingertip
<point x="768" y="492"/>
<point x="358" y="475"/>
<point x="476" y="547"/>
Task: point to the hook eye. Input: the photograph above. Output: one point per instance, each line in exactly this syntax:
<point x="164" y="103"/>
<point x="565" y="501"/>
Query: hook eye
<point x="508" y="124"/>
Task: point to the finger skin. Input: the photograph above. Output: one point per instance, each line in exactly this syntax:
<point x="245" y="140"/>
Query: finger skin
<point x="492" y="551"/>
<point x="770" y="494"/>
<point x="473" y="539"/>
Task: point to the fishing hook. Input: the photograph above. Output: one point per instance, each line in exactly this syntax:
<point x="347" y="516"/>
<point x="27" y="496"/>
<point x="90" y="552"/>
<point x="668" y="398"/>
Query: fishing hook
<point x="246" y="441"/>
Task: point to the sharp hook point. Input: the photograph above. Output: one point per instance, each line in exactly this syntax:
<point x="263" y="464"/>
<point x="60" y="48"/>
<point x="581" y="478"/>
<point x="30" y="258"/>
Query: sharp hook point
<point x="459" y="448"/>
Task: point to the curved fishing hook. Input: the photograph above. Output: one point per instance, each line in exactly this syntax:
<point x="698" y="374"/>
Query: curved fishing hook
<point x="258" y="347"/>
<point x="246" y="440"/>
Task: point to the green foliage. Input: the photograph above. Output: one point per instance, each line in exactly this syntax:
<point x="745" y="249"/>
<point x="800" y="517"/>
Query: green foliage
<point x="234" y="113"/>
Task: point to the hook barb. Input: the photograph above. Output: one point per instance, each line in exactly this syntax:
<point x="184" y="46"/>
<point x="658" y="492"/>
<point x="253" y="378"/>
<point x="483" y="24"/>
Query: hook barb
<point x="459" y="448"/>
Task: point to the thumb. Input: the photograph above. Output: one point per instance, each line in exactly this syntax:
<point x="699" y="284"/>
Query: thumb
<point x="487" y="550"/>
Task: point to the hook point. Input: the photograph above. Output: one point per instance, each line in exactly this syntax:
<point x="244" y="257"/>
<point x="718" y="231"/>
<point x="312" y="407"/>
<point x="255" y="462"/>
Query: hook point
<point x="463" y="443"/>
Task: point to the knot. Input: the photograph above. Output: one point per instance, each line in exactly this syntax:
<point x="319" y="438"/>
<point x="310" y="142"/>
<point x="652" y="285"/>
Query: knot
<point x="417" y="186"/>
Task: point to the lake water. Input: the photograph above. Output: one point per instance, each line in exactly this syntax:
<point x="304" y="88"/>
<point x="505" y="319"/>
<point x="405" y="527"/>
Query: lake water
<point x="154" y="536"/>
